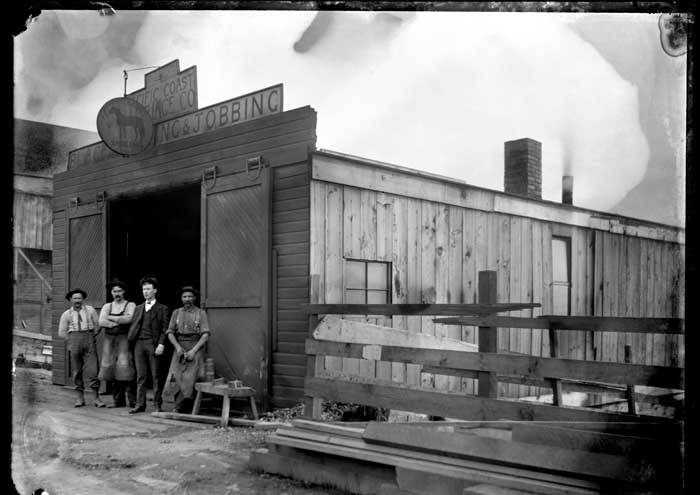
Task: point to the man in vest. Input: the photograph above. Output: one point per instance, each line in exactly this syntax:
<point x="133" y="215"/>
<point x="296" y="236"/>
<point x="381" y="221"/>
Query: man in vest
<point x="78" y="325"/>
<point x="147" y="332"/>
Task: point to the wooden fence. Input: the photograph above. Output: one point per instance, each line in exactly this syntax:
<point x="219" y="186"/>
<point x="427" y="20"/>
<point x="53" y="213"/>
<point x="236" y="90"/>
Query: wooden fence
<point x="487" y="365"/>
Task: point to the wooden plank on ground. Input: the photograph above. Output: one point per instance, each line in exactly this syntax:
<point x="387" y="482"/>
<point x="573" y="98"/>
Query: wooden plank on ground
<point x="335" y="429"/>
<point x="414" y="309"/>
<point x="452" y="405"/>
<point x="215" y="420"/>
<point x="310" y="467"/>
<point x="507" y="364"/>
<point x="607" y="466"/>
<point x="485" y="489"/>
<point x="480" y="473"/>
<point x="576" y="323"/>
<point x="594" y="441"/>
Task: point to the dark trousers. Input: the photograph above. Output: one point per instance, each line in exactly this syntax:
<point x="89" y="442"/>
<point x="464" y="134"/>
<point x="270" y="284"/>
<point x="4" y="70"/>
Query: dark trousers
<point x="83" y="359"/>
<point x="147" y="363"/>
<point x="124" y="392"/>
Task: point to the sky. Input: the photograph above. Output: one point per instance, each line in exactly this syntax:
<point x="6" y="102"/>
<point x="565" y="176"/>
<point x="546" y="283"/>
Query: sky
<point x="435" y="91"/>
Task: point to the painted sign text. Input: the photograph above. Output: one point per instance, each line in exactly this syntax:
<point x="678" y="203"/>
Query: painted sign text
<point x="171" y="97"/>
<point x="245" y="108"/>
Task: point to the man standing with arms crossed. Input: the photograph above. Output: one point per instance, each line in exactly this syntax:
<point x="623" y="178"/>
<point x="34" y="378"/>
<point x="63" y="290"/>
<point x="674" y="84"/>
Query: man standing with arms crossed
<point x="117" y="363"/>
<point x="78" y="325"/>
<point x="147" y="331"/>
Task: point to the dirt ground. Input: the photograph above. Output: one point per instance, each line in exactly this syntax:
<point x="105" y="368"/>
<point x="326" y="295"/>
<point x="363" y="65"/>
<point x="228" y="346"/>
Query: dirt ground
<point x="67" y="450"/>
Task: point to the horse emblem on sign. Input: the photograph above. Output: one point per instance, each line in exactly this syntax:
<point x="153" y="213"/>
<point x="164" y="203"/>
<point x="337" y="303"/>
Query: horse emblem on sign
<point x="125" y="126"/>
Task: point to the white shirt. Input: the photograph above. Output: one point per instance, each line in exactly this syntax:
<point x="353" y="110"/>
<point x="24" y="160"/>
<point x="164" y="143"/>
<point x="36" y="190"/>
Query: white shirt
<point x="149" y="304"/>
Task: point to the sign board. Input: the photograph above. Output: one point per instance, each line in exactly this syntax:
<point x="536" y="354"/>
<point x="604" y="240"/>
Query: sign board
<point x="92" y="153"/>
<point x="125" y="126"/>
<point x="244" y="108"/>
<point x="168" y="92"/>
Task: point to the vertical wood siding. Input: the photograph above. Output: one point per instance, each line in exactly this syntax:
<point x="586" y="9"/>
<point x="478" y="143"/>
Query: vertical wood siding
<point x="31" y="216"/>
<point x="437" y="250"/>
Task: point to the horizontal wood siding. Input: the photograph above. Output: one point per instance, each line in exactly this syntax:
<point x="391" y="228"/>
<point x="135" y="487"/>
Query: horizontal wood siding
<point x="437" y="250"/>
<point x="284" y="141"/>
<point x="290" y="239"/>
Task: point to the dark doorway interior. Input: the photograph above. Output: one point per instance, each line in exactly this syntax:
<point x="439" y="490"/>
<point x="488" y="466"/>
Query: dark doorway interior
<point x="156" y="234"/>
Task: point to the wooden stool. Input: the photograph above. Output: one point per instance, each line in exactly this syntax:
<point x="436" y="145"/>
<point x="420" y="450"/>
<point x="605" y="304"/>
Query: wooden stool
<point x="226" y="391"/>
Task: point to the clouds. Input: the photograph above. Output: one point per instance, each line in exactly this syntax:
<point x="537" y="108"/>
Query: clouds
<point x="439" y="92"/>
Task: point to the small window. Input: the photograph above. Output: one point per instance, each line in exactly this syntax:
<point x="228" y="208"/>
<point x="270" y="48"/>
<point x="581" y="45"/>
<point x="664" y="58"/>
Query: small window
<point x="561" y="275"/>
<point x="367" y="282"/>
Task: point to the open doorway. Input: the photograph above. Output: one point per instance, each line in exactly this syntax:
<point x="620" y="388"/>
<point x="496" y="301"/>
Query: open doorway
<point x="156" y="234"/>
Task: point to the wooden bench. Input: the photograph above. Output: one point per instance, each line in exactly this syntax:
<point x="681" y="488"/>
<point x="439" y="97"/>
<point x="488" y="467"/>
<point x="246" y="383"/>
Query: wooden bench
<point x="226" y="391"/>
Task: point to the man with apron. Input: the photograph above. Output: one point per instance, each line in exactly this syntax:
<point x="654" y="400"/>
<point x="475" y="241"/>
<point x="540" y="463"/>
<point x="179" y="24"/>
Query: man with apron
<point x="188" y="332"/>
<point x="117" y="363"/>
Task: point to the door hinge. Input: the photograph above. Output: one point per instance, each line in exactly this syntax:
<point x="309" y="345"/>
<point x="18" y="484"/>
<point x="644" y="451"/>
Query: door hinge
<point x="100" y="200"/>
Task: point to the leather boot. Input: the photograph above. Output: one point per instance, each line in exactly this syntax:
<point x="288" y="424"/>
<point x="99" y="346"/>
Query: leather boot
<point x="80" y="400"/>
<point x="97" y="401"/>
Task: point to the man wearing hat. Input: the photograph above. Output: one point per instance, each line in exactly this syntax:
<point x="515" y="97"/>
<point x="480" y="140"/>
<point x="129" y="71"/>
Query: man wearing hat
<point x="117" y="363"/>
<point x="188" y="331"/>
<point x="78" y="325"/>
<point x="147" y="332"/>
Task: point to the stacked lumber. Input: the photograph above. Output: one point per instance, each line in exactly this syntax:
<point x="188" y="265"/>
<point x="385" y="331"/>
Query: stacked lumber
<point x="465" y="457"/>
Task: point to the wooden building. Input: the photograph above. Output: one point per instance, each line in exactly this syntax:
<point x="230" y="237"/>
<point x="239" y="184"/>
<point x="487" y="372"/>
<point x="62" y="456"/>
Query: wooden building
<point x="263" y="222"/>
<point x="40" y="150"/>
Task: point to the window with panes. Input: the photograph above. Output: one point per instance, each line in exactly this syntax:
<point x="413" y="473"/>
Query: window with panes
<point x="367" y="282"/>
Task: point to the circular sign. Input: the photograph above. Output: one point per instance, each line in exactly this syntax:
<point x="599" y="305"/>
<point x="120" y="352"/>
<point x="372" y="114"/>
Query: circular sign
<point x="125" y="126"/>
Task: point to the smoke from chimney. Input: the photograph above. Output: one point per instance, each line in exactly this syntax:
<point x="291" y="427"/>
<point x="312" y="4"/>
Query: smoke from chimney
<point x="567" y="189"/>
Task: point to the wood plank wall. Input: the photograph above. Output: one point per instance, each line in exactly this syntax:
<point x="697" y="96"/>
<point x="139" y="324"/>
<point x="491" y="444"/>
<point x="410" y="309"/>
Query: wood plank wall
<point x="282" y="139"/>
<point x="437" y="250"/>
<point x="290" y="241"/>
<point x="32" y="221"/>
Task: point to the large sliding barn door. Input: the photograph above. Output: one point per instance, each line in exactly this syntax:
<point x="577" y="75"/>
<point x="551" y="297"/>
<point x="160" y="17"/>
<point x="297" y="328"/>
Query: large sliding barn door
<point x="235" y="275"/>
<point x="86" y="257"/>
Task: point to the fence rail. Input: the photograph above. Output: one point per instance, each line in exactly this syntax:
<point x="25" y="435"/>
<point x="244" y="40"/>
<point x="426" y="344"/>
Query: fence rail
<point x="575" y="323"/>
<point x="487" y="366"/>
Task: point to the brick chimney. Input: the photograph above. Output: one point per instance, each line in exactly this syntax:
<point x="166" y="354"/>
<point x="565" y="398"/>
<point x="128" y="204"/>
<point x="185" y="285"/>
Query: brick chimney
<point x="523" y="167"/>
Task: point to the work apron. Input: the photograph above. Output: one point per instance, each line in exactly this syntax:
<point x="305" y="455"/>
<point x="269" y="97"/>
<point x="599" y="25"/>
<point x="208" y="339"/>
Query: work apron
<point x="117" y="357"/>
<point x="187" y="373"/>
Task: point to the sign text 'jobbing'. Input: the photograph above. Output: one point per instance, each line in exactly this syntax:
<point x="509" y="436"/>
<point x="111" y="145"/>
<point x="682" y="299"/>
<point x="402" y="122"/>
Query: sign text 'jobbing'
<point x="241" y="109"/>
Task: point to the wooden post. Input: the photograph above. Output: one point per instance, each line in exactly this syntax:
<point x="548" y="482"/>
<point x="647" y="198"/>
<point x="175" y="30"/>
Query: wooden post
<point x="488" y="336"/>
<point x="314" y="364"/>
<point x="556" y="383"/>
<point x="631" y="406"/>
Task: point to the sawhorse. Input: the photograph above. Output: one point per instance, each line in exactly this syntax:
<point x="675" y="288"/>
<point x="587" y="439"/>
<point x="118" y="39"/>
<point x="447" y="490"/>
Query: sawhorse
<point x="226" y="391"/>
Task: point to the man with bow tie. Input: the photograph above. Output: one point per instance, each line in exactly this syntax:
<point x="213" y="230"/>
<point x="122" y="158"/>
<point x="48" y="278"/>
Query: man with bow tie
<point x="147" y="332"/>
